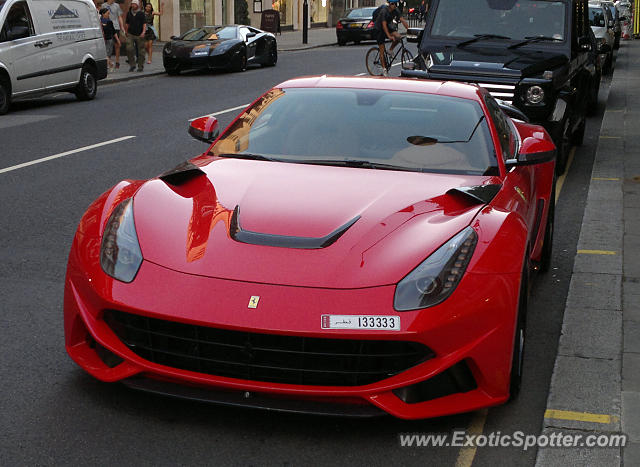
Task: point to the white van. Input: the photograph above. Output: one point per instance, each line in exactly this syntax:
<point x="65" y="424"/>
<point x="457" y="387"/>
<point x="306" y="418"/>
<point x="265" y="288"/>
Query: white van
<point x="48" y="46"/>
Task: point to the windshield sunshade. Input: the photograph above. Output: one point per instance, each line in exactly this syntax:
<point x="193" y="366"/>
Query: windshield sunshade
<point x="363" y="128"/>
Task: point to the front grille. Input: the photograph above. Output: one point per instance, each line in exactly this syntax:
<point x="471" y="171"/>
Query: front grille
<point x="503" y="92"/>
<point x="265" y="357"/>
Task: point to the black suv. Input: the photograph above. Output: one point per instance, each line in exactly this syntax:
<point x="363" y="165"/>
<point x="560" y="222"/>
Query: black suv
<point x="531" y="53"/>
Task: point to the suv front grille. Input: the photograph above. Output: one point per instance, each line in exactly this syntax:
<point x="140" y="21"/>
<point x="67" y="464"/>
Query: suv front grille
<point x="265" y="357"/>
<point x="503" y="92"/>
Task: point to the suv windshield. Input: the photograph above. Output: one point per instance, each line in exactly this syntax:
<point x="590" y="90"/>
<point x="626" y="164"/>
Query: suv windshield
<point x="518" y="20"/>
<point x="596" y="17"/>
<point x="361" y="13"/>
<point x="363" y="128"/>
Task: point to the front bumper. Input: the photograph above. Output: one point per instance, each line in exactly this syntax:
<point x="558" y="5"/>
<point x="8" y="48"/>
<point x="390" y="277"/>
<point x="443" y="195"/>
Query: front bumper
<point x="473" y="328"/>
<point x="355" y="34"/>
<point x="213" y="62"/>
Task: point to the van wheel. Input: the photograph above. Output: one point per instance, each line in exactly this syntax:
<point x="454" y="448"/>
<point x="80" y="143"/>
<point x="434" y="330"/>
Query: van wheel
<point x="88" y="86"/>
<point x="5" y="96"/>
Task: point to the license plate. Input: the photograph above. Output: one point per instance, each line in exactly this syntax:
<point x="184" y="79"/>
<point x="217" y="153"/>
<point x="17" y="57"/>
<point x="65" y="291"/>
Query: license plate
<point x="389" y="323"/>
<point x="355" y="25"/>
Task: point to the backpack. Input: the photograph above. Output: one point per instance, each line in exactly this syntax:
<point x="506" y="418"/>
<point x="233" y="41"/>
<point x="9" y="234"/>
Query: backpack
<point x="376" y="15"/>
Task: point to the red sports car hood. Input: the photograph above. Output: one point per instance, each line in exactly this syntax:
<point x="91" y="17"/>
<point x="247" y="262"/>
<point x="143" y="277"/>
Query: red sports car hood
<point x="361" y="227"/>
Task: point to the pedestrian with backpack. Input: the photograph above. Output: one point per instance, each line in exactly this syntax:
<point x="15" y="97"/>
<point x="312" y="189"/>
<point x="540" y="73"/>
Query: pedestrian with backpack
<point x="385" y="18"/>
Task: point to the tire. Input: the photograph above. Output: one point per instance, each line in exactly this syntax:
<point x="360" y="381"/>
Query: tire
<point x="405" y="58"/>
<point x="356" y="42"/>
<point x="241" y="62"/>
<point x="5" y="96"/>
<point x="578" y="136"/>
<point x="608" y="65"/>
<point x="273" y="56"/>
<point x="547" y="246"/>
<point x="87" y="88"/>
<point x="175" y="71"/>
<point x="592" y="105"/>
<point x="517" y="359"/>
<point x="341" y="42"/>
<point x="564" y="146"/>
<point x="374" y="66"/>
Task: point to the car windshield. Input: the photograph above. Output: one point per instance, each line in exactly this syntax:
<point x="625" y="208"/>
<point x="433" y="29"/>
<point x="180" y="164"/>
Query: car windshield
<point x="596" y="17"/>
<point x="518" y="20"/>
<point x="363" y="128"/>
<point x="361" y="13"/>
<point x="210" y="33"/>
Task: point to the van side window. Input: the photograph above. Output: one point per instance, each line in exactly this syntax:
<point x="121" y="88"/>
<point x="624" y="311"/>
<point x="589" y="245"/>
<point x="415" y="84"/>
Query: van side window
<point x="18" y="23"/>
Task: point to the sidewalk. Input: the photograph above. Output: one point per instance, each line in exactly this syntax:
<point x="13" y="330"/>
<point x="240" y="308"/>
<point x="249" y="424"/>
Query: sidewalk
<point x="595" y="387"/>
<point x="287" y="41"/>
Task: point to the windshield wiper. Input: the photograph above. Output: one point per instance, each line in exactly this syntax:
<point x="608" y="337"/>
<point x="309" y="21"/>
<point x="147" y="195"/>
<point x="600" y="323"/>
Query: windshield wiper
<point x="355" y="163"/>
<point x="479" y="37"/>
<point x="531" y="39"/>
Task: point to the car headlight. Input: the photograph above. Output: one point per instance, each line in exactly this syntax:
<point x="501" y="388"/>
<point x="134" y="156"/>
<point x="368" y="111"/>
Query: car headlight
<point x="438" y="275"/>
<point x="120" y="255"/>
<point x="535" y="95"/>
<point x="167" y="49"/>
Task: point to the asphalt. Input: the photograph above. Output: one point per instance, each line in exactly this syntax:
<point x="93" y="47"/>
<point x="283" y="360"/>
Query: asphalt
<point x="287" y="41"/>
<point x="595" y="387"/>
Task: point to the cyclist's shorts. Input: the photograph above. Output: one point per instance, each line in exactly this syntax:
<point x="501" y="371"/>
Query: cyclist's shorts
<point x="381" y="37"/>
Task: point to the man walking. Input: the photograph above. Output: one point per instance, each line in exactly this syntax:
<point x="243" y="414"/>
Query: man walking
<point x="117" y="17"/>
<point x="136" y="28"/>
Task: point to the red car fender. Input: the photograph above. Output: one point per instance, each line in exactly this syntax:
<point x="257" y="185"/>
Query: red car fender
<point x="502" y="242"/>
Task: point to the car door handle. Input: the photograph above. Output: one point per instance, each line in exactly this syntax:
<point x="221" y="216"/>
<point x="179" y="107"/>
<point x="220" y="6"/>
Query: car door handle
<point x="45" y="43"/>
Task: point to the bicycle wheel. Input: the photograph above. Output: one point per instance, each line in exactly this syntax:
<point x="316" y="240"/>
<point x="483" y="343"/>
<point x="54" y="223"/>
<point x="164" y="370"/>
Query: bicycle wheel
<point x="405" y="59"/>
<point x="374" y="65"/>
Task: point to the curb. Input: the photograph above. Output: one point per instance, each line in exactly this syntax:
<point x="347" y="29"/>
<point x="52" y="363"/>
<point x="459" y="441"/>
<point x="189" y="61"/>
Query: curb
<point x="130" y="78"/>
<point x="585" y="391"/>
<point x="307" y="47"/>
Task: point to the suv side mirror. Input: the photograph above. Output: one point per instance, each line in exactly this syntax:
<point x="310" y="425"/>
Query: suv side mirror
<point x="534" y="151"/>
<point x="205" y="129"/>
<point x="585" y="43"/>
<point x="17" y="32"/>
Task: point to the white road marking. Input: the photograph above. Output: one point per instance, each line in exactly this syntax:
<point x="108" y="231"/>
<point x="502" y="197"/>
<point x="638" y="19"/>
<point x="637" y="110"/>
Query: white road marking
<point x="222" y="112"/>
<point x="63" y="154"/>
<point x="361" y="74"/>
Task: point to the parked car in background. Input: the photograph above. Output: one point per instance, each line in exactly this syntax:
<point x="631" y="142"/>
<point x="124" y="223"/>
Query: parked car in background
<point x="599" y="16"/>
<point x="49" y="46"/>
<point x="617" y="26"/>
<point x="531" y="53"/>
<point x="220" y="47"/>
<point x="596" y="62"/>
<point x="355" y="26"/>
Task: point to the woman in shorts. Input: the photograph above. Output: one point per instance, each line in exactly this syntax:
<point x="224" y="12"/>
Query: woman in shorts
<point x="150" y="35"/>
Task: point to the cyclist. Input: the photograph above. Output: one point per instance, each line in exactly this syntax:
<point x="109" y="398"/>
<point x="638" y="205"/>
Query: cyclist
<point x="385" y="26"/>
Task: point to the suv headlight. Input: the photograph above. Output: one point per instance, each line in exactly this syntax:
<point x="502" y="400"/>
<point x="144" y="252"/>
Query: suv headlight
<point x="535" y="95"/>
<point x="120" y="255"/>
<point x="438" y="275"/>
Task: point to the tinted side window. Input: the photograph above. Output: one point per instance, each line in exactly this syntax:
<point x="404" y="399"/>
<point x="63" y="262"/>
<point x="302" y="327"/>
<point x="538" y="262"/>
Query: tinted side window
<point x="508" y="141"/>
<point x="18" y="21"/>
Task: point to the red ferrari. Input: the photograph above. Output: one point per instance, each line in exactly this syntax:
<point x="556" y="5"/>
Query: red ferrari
<point x="353" y="246"/>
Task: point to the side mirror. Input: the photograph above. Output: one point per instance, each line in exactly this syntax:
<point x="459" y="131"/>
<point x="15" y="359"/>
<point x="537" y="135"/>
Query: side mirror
<point x="611" y="23"/>
<point x="17" y="32"/>
<point x="251" y="34"/>
<point x="534" y="150"/>
<point x="585" y="43"/>
<point x="174" y="38"/>
<point x="413" y="34"/>
<point x="205" y="129"/>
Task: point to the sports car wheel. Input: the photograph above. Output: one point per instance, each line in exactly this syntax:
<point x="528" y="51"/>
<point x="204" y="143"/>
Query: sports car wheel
<point x="5" y="96"/>
<point x="273" y="56"/>
<point x="88" y="85"/>
<point x="241" y="62"/>
<point x="547" y="246"/>
<point x="175" y="71"/>
<point x="519" y="339"/>
<point x="341" y="42"/>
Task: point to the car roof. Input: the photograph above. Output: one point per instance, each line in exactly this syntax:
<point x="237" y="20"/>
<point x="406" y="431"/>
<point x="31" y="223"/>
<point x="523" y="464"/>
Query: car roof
<point x="443" y="88"/>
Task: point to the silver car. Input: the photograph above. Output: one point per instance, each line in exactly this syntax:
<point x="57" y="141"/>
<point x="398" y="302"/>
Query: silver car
<point x="599" y="18"/>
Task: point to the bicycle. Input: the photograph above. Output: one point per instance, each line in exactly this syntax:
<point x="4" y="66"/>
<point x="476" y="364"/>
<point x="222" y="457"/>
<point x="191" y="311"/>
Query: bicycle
<point x="374" y="64"/>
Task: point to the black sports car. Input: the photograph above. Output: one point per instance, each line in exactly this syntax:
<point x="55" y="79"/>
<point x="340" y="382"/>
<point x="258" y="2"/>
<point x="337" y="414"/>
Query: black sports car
<point x="220" y="47"/>
<point x="356" y="26"/>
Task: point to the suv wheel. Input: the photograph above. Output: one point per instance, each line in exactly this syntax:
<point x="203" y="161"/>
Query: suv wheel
<point x="5" y="96"/>
<point x="564" y="146"/>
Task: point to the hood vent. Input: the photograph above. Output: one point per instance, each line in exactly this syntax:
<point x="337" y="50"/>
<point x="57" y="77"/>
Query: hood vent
<point x="284" y="241"/>
<point x="482" y="194"/>
<point x="181" y="174"/>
